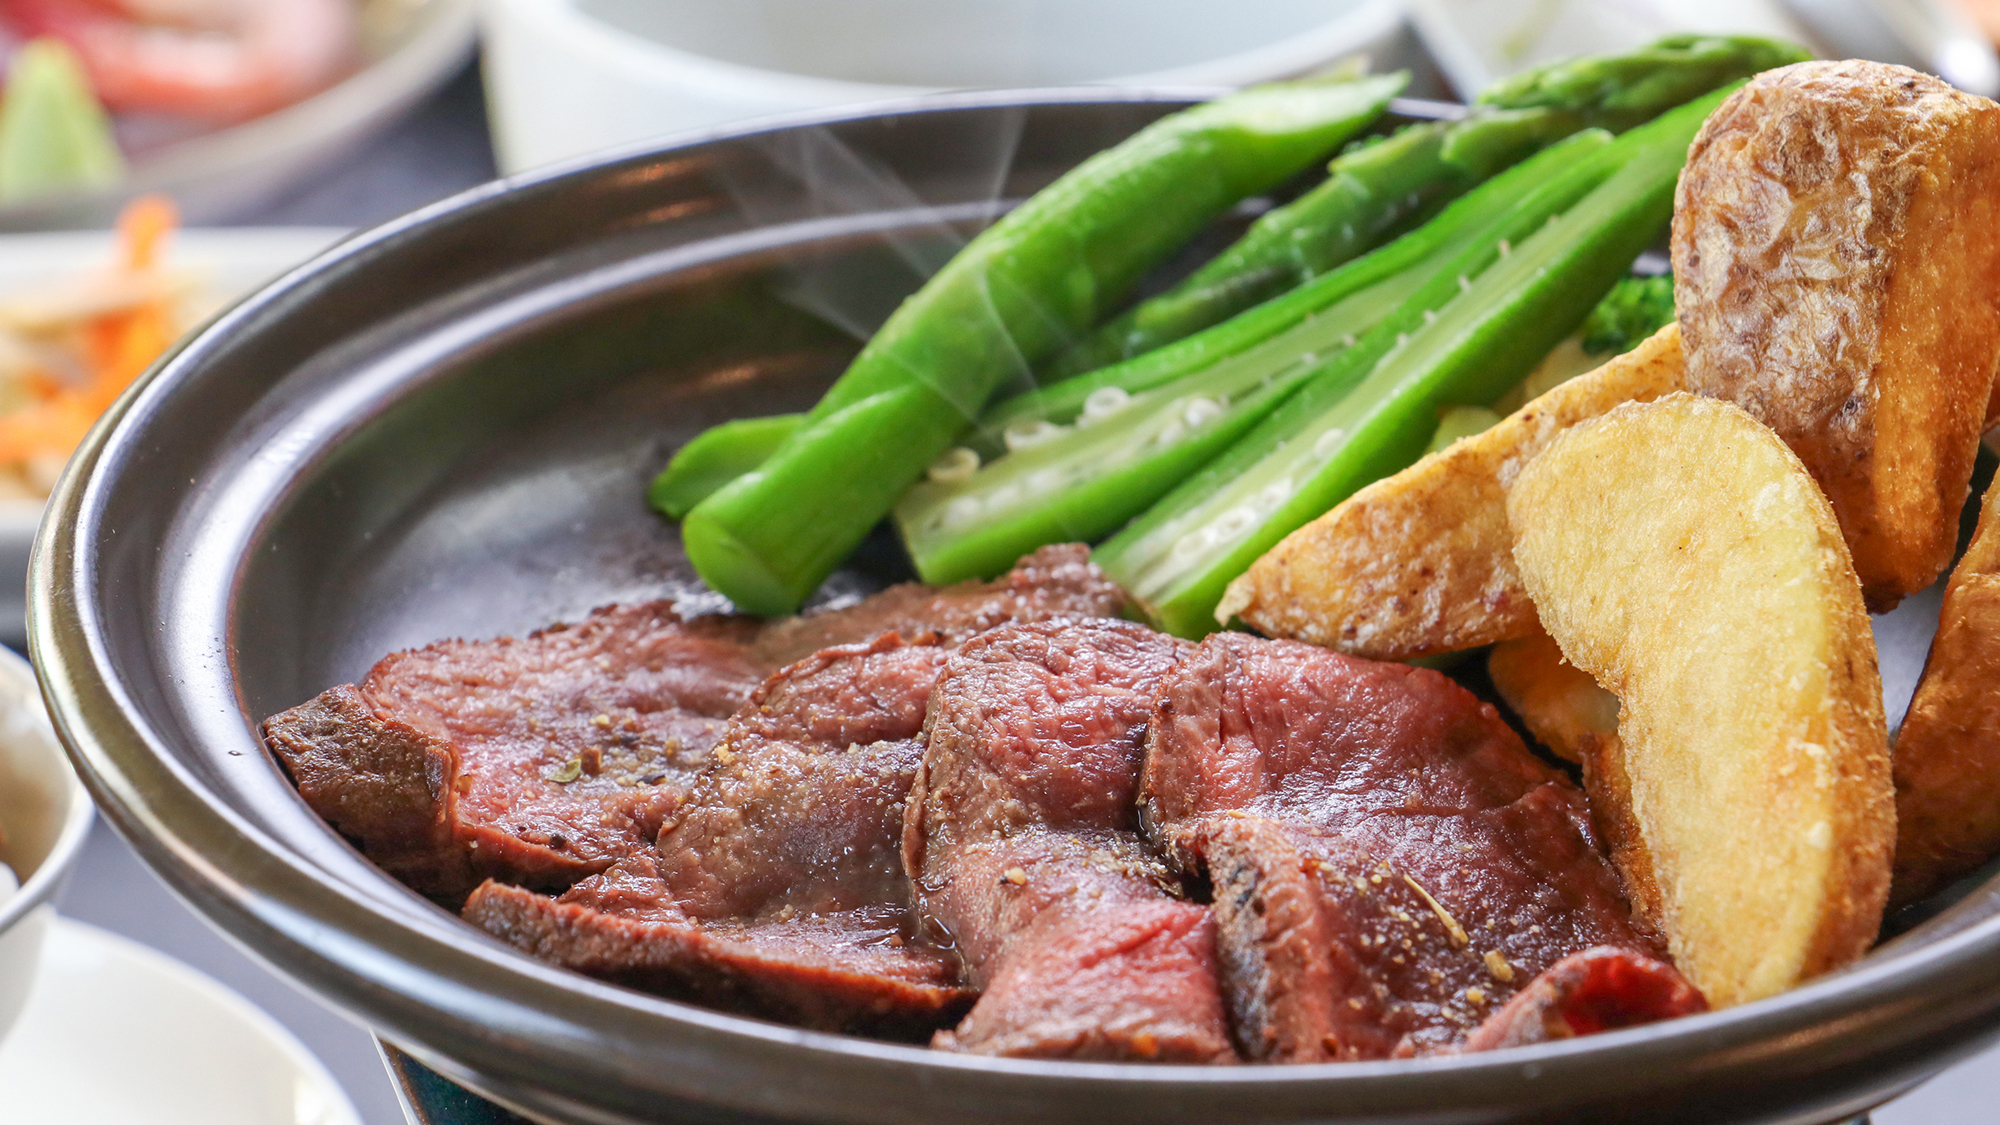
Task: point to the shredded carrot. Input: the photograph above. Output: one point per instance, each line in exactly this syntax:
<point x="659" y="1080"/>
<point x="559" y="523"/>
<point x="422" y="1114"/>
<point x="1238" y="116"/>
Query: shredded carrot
<point x="143" y="226"/>
<point x="123" y="345"/>
<point x="118" y="347"/>
<point x="52" y="427"/>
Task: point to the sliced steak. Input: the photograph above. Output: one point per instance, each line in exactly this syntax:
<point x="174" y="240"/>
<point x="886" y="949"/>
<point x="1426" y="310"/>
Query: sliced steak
<point x="542" y="760"/>
<point x="1390" y="863"/>
<point x="1022" y="839"/>
<point x="778" y="890"/>
<point x="1056" y="581"/>
<point x="1600" y="989"/>
<point x="854" y="971"/>
<point x="802" y="807"/>
<point x="539" y="760"/>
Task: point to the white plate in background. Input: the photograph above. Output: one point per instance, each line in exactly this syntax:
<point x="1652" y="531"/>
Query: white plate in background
<point x="231" y="262"/>
<point x="117" y="1034"/>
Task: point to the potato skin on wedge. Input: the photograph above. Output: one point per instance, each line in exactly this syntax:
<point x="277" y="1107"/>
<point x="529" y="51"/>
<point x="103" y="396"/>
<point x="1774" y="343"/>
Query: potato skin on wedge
<point x="1680" y="553"/>
<point x="1421" y="562"/>
<point x="1836" y="250"/>
<point x="1947" y="756"/>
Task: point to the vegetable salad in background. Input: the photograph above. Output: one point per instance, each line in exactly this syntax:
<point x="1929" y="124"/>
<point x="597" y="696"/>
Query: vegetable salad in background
<point x="90" y="81"/>
<point x="68" y="349"/>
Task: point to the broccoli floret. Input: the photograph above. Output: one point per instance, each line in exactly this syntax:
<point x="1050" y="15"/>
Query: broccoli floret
<point x="1635" y="308"/>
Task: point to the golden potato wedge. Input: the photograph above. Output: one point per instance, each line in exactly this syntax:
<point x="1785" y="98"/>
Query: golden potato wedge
<point x="1836" y="250"/>
<point x="1947" y="755"/>
<point x="1420" y="562"/>
<point x="1560" y="703"/>
<point x="1680" y="553"/>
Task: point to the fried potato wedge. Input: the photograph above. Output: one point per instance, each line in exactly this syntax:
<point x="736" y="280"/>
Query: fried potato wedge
<point x="1421" y="562"/>
<point x="1836" y="250"/>
<point x="1680" y="553"/>
<point x="1560" y="703"/>
<point x="1947" y="757"/>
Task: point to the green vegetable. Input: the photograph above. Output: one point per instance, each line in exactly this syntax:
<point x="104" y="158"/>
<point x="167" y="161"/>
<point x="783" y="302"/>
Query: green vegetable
<point x="1619" y="91"/>
<point x="54" y="136"/>
<point x="1635" y="308"/>
<point x="1387" y="277"/>
<point x="1372" y="415"/>
<point x="717" y="456"/>
<point x="1370" y="195"/>
<point x="1375" y="191"/>
<point x="1014" y="294"/>
<point x="1461" y="422"/>
<point x="1130" y="444"/>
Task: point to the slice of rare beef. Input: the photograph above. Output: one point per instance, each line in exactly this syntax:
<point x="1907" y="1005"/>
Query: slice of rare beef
<point x="538" y="760"/>
<point x="801" y="807"/>
<point x="1390" y="864"/>
<point x="1056" y="581"/>
<point x="1022" y="840"/>
<point x="1600" y="989"/>
<point x="778" y="889"/>
<point x="541" y="760"/>
<point x="853" y="971"/>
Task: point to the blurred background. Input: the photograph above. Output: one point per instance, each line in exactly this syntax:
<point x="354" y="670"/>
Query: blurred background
<point x="160" y="157"/>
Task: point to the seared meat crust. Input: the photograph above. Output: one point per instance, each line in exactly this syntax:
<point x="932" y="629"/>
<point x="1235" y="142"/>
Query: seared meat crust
<point x="1390" y="863"/>
<point x="542" y="760"/>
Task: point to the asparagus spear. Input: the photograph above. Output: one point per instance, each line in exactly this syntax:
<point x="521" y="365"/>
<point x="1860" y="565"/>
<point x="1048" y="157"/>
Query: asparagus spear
<point x="1338" y="433"/>
<point x="1617" y="92"/>
<point x="1009" y="299"/>
<point x="1062" y="402"/>
<point x="1370" y="195"/>
<point x="1126" y="450"/>
<point x="1373" y="192"/>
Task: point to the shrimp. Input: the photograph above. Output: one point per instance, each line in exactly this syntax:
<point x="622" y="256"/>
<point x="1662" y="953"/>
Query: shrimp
<point x="217" y="60"/>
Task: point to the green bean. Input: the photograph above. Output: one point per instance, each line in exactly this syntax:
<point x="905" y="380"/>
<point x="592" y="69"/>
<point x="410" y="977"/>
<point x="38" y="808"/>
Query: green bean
<point x="1014" y="294"/>
<point x="1372" y="415"/>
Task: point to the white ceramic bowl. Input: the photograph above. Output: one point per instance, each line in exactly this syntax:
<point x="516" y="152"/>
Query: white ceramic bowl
<point x="46" y="815"/>
<point x="566" y="77"/>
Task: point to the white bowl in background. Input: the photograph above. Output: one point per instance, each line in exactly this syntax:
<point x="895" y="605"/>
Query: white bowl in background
<point x="566" y="77"/>
<point x="231" y="262"/>
<point x="45" y="814"/>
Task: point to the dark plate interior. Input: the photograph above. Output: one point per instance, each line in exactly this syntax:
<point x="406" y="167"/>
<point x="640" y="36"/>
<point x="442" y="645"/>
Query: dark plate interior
<point x="444" y="428"/>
